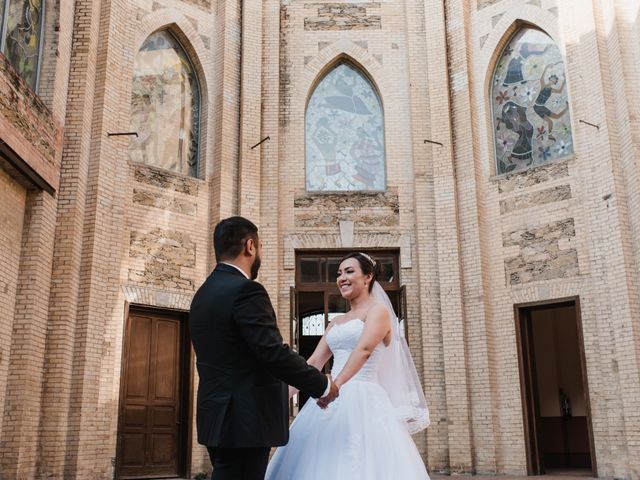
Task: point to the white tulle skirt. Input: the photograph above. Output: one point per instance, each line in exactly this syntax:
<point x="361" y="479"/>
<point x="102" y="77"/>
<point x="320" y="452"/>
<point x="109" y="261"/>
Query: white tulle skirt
<point x="356" y="438"/>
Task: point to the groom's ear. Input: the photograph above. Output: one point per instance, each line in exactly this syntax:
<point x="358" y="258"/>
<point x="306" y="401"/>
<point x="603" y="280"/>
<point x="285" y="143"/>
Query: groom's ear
<point x="249" y="247"/>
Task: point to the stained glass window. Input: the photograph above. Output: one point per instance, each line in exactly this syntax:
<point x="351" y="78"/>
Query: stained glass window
<point x="530" y="103"/>
<point x="21" y="34"/>
<point x="165" y="106"/>
<point x="345" y="134"/>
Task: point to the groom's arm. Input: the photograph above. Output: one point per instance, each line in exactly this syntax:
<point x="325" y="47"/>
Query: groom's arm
<point x="254" y="315"/>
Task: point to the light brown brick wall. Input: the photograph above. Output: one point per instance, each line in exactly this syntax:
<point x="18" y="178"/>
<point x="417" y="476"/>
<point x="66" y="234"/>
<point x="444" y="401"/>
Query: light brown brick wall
<point x="11" y="221"/>
<point x="96" y="245"/>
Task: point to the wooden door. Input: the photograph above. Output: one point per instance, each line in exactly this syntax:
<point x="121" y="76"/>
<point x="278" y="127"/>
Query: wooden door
<point x="150" y="435"/>
<point x="528" y="384"/>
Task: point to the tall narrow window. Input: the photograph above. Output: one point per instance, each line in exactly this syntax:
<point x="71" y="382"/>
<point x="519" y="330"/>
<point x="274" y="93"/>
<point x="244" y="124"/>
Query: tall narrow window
<point x="345" y="134"/>
<point x="165" y="106"/>
<point x="21" y="36"/>
<point x="530" y="103"/>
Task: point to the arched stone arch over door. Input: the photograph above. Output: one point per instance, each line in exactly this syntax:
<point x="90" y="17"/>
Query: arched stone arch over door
<point x="344" y="133"/>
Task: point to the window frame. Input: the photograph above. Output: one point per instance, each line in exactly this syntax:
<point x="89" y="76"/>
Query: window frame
<point x="4" y="18"/>
<point x="189" y="57"/>
<point x="509" y="36"/>
<point x="330" y="286"/>
<point x="344" y="60"/>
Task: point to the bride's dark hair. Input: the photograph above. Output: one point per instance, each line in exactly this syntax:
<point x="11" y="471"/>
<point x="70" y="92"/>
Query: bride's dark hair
<point x="368" y="265"/>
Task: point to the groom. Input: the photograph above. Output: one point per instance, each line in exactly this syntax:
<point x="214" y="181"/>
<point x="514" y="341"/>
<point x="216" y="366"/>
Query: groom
<point x="244" y="367"/>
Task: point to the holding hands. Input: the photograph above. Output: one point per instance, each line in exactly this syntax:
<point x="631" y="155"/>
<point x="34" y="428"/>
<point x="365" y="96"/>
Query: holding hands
<point x="323" y="402"/>
<point x="334" y="391"/>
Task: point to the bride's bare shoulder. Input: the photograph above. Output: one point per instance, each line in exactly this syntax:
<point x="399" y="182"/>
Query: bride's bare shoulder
<point x="378" y="312"/>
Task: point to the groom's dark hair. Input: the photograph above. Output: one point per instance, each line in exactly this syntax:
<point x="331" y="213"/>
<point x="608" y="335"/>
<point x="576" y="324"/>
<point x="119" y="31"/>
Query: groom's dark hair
<point x="230" y="235"/>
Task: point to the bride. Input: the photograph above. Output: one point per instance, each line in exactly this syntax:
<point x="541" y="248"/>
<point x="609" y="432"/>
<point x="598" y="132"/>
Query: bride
<point x="365" y="432"/>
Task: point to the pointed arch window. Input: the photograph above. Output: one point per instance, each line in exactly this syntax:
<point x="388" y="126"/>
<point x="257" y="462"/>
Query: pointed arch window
<point x="530" y="103"/>
<point x="21" y="23"/>
<point x="344" y="137"/>
<point x="165" y="106"/>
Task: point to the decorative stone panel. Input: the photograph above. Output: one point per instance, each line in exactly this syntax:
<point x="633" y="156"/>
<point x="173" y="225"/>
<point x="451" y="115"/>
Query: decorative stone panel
<point x="164" y="202"/>
<point x="205" y="4"/>
<point x="534" y="176"/>
<point x="164" y="253"/>
<point x="344" y="16"/>
<point x="485" y="3"/>
<point x="164" y="179"/>
<point x="364" y="209"/>
<point x="541" y="256"/>
<point x="542" y="197"/>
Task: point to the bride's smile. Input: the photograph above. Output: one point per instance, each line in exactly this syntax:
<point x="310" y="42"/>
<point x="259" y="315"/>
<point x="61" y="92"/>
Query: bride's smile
<point x="351" y="280"/>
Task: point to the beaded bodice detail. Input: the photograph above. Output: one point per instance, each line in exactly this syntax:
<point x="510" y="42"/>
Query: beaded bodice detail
<point x="342" y="339"/>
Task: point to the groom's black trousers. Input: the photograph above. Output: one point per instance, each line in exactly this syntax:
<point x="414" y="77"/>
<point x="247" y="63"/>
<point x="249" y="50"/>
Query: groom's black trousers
<point x="239" y="463"/>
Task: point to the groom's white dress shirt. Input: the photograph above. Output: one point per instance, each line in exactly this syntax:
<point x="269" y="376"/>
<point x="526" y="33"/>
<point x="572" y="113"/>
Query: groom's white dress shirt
<point x="328" y="389"/>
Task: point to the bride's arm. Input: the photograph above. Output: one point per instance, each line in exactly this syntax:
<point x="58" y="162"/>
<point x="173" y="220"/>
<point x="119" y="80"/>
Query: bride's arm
<point x="318" y="359"/>
<point x="375" y="330"/>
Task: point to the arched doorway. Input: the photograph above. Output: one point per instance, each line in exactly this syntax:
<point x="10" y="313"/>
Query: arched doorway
<point x="555" y="393"/>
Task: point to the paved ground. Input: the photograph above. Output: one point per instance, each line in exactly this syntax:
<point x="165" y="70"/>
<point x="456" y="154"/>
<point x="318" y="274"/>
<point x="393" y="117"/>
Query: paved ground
<point x="562" y="476"/>
<point x="501" y="477"/>
<point x="568" y="475"/>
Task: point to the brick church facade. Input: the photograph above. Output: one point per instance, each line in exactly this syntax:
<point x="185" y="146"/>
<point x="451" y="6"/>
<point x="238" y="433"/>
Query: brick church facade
<point x="486" y="151"/>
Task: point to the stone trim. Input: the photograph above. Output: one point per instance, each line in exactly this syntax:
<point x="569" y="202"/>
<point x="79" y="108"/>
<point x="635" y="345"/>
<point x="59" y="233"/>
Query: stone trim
<point x="330" y="55"/>
<point x="523" y="179"/>
<point x="534" y="199"/>
<point x="510" y="22"/>
<point x="156" y="298"/>
<point x="165" y="179"/>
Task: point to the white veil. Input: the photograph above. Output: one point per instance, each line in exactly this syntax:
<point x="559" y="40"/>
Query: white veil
<point x="397" y="373"/>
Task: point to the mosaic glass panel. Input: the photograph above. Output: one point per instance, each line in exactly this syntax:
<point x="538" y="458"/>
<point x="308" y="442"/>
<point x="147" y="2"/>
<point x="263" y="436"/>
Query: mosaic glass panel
<point x="530" y="103"/>
<point x="165" y="103"/>
<point x="345" y="134"/>
<point x="22" y="32"/>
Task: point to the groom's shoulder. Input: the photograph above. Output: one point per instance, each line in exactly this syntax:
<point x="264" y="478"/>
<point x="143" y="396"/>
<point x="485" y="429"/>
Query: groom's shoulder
<point x="253" y="287"/>
<point x="235" y="282"/>
<point x="220" y="282"/>
<point x="227" y="274"/>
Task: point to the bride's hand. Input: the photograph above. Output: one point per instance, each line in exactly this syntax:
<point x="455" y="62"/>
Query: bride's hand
<point x="334" y="391"/>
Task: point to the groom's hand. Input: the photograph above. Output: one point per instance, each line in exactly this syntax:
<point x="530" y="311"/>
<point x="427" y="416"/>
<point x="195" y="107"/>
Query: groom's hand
<point x="334" y="391"/>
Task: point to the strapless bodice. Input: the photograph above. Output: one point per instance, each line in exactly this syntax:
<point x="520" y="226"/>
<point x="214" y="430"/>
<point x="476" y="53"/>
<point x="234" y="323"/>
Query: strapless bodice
<point x="342" y="339"/>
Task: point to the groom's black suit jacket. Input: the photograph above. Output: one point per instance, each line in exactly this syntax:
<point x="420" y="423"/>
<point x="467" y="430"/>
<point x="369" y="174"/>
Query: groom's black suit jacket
<point x="243" y="364"/>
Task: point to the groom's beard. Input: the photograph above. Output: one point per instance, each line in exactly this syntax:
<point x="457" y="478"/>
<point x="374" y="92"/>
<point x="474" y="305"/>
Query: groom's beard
<point x="255" y="267"/>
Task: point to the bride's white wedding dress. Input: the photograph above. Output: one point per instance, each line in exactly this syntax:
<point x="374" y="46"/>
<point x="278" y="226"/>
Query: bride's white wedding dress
<point x="358" y="436"/>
